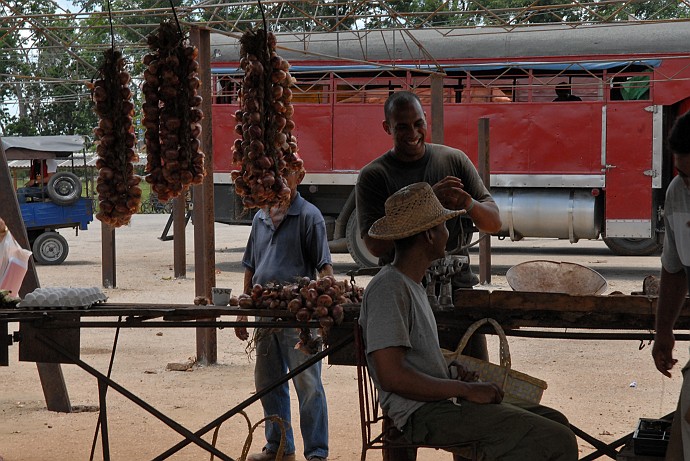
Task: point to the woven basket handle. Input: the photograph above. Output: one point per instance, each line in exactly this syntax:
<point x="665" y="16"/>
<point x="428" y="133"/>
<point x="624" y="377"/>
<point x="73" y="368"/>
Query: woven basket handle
<point x="504" y="350"/>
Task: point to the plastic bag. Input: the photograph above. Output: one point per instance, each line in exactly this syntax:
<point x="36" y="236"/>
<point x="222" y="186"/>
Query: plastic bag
<point x="14" y="262"/>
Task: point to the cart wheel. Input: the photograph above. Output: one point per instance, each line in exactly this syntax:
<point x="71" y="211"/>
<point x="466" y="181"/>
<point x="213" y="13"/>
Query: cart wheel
<point x="355" y="244"/>
<point x="50" y="249"/>
<point x="64" y="188"/>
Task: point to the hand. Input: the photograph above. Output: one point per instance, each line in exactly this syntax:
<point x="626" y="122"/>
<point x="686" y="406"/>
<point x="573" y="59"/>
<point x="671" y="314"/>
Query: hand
<point x="451" y="193"/>
<point x="241" y="332"/>
<point x="484" y="393"/>
<point x="662" y="352"/>
<point x="462" y="373"/>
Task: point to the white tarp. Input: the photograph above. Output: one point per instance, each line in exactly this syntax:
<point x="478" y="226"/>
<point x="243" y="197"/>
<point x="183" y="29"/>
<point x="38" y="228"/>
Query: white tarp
<point x="44" y="143"/>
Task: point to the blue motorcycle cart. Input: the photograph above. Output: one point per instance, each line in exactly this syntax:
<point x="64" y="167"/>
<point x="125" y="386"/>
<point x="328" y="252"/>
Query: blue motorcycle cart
<point x="57" y="204"/>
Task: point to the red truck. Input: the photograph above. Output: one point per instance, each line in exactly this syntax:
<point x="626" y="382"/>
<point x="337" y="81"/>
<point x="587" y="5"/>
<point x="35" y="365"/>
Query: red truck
<point x="578" y="169"/>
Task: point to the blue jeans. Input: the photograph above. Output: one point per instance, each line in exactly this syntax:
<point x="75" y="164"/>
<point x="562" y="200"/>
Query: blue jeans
<point x="275" y="355"/>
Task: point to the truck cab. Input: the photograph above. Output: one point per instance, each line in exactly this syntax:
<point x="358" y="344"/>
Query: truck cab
<point x="51" y="199"/>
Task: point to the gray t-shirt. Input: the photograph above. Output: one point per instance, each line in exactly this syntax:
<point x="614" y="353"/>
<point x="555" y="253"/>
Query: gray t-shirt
<point x="676" y="253"/>
<point x="396" y="313"/>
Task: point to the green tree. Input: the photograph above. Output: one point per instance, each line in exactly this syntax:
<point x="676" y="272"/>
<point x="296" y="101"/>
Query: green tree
<point x="45" y="72"/>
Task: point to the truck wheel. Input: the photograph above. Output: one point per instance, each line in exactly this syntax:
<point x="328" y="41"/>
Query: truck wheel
<point x="355" y="245"/>
<point x="64" y="188"/>
<point x="632" y="247"/>
<point x="50" y="249"/>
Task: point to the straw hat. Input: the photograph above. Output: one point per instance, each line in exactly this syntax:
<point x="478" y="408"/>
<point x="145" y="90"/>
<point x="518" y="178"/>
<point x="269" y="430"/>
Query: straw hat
<point x="411" y="210"/>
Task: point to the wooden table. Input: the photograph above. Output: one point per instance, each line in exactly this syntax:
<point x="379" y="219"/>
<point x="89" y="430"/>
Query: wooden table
<point x="53" y="336"/>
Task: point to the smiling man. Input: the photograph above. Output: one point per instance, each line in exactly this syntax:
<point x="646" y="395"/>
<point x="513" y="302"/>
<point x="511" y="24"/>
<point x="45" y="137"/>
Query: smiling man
<point x="449" y="171"/>
<point x="675" y="269"/>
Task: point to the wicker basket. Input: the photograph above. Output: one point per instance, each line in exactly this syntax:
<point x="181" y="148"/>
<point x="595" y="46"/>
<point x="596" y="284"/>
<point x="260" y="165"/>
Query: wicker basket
<point x="515" y="384"/>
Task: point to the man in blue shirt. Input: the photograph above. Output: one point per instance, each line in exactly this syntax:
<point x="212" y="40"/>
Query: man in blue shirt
<point x="288" y="242"/>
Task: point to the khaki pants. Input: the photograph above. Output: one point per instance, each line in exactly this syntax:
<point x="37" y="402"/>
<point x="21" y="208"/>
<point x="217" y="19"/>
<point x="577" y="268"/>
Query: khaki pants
<point x="503" y="431"/>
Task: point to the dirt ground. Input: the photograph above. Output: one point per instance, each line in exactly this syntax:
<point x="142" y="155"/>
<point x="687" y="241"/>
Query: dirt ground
<point x="603" y="387"/>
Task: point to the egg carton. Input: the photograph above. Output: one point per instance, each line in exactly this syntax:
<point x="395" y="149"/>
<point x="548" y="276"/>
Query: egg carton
<point x="62" y="298"/>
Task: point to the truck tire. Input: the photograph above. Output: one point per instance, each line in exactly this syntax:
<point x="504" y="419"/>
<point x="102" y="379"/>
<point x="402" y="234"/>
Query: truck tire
<point x="64" y="188"/>
<point x="632" y="247"/>
<point x="355" y="245"/>
<point x="50" y="249"/>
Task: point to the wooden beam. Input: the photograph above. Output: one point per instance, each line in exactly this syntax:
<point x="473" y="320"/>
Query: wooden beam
<point x="204" y="240"/>
<point x="179" y="237"/>
<point x="557" y="310"/>
<point x="52" y="381"/>
<point x="108" y="256"/>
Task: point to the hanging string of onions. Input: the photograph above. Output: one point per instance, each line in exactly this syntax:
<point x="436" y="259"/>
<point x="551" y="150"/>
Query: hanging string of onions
<point x="119" y="194"/>
<point x="172" y="114"/>
<point x="266" y="148"/>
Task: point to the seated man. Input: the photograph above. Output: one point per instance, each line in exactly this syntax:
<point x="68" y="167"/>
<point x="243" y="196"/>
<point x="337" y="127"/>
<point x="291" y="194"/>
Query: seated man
<point x="39" y="175"/>
<point x="406" y="363"/>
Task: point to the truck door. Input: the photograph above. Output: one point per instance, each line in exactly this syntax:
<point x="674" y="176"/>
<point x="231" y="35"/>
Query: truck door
<point x="629" y="156"/>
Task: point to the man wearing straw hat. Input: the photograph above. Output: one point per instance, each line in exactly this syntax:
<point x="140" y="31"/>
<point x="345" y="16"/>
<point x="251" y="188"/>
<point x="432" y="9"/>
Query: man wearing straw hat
<point x="406" y="363"/>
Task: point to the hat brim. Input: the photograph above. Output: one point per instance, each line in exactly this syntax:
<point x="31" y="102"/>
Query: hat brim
<point x="387" y="228"/>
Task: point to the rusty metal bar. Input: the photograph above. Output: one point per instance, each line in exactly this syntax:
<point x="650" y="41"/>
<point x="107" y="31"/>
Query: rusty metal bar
<point x="103" y="419"/>
<point x="229" y="414"/>
<point x="484" y="168"/>
<point x="177" y="427"/>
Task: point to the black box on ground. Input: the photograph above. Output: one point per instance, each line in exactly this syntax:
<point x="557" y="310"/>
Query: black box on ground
<point x="651" y="437"/>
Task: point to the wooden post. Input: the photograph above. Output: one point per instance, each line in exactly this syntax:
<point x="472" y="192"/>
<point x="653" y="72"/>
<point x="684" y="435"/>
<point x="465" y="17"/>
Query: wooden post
<point x="437" y="109"/>
<point x="484" y="169"/>
<point x="50" y="374"/>
<point x="108" y="256"/>
<point x="204" y="241"/>
<point x="179" y="243"/>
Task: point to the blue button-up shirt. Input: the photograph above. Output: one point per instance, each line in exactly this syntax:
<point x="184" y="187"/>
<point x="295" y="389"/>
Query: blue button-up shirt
<point x="297" y="248"/>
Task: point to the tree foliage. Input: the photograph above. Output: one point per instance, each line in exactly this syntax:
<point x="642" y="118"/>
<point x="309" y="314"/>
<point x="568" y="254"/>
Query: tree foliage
<point x="47" y="57"/>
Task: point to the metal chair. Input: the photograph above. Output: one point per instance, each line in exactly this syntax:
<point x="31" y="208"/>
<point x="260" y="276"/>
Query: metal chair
<point x="378" y="431"/>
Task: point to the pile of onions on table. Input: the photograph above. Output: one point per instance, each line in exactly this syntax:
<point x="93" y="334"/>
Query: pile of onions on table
<point x="119" y="194"/>
<point x="171" y="113"/>
<point x="321" y="300"/>
<point x="267" y="148"/>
